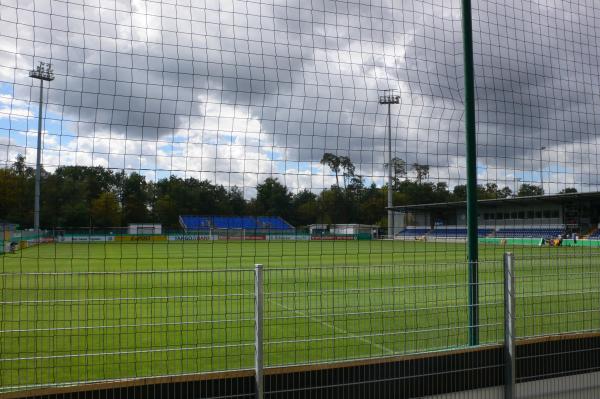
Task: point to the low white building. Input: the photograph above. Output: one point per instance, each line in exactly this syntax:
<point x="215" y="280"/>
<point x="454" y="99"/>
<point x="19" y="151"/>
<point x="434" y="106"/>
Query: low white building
<point x="353" y="228"/>
<point x="317" y="229"/>
<point x="343" y="229"/>
<point x="144" y="228"/>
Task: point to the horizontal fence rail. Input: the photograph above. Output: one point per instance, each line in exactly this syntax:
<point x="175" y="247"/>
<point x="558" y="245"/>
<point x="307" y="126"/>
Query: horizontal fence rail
<point x="556" y="295"/>
<point x="71" y="327"/>
<point x="324" y="314"/>
<point x="83" y="326"/>
<point x="62" y="328"/>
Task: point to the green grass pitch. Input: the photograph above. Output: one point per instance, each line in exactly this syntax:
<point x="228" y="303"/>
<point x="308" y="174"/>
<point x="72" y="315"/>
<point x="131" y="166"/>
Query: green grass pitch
<point x="89" y="312"/>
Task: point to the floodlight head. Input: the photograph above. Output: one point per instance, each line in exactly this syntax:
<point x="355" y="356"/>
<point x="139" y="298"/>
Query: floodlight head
<point x="43" y="72"/>
<point x="389" y="99"/>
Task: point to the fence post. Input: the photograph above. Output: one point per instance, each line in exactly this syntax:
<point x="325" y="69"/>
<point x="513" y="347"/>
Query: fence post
<point x="471" y="153"/>
<point x="509" y="326"/>
<point x="258" y="329"/>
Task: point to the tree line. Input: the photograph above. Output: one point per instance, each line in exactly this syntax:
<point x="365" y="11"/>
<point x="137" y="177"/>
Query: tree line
<point x="82" y="196"/>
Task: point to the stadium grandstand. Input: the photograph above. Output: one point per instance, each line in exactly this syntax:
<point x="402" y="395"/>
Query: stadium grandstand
<point x="460" y="232"/>
<point x="538" y="217"/>
<point x="192" y="223"/>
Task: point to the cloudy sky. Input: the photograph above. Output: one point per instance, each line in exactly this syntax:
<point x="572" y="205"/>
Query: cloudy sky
<point x="237" y="91"/>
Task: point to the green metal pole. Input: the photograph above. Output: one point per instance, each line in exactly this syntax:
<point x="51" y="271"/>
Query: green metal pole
<point x="473" y="252"/>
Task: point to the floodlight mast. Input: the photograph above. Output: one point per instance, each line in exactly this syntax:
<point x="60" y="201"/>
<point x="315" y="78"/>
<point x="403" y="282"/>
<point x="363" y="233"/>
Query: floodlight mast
<point x="542" y="148"/>
<point x="43" y="72"/>
<point x="389" y="98"/>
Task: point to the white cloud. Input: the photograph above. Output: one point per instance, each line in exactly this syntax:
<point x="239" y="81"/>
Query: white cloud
<point x="235" y="91"/>
<point x="11" y="108"/>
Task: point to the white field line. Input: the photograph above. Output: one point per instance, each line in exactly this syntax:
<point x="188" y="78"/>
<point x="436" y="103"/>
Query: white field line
<point x="333" y="327"/>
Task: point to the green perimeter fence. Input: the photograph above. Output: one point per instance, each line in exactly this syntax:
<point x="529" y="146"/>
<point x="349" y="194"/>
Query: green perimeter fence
<point x="23" y="239"/>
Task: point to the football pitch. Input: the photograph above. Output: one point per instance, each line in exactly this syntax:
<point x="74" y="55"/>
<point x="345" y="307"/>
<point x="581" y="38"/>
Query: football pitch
<point x="89" y="312"/>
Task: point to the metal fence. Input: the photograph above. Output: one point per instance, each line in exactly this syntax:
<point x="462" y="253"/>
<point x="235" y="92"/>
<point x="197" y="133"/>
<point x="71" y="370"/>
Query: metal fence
<point x="76" y="327"/>
<point x="331" y="313"/>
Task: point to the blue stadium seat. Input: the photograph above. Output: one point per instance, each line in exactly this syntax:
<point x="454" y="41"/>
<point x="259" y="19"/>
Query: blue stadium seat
<point x="457" y="232"/>
<point x="529" y="232"/>
<point x="192" y="222"/>
<point x="413" y="232"/>
<point x="195" y="222"/>
<point x="595" y="235"/>
<point x="273" y="223"/>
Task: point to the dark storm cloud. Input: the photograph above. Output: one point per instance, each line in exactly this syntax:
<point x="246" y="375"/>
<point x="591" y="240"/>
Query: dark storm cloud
<point x="536" y="78"/>
<point x="310" y="73"/>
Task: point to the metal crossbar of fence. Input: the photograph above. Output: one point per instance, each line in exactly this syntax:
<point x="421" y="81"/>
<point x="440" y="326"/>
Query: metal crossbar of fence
<point x="324" y="314"/>
<point x="64" y="328"/>
<point x="71" y="327"/>
<point x="90" y="326"/>
<point x="556" y="295"/>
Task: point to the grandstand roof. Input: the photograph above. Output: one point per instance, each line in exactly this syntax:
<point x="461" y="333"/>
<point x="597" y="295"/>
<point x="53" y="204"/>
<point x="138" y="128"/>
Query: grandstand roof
<point x="554" y="198"/>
